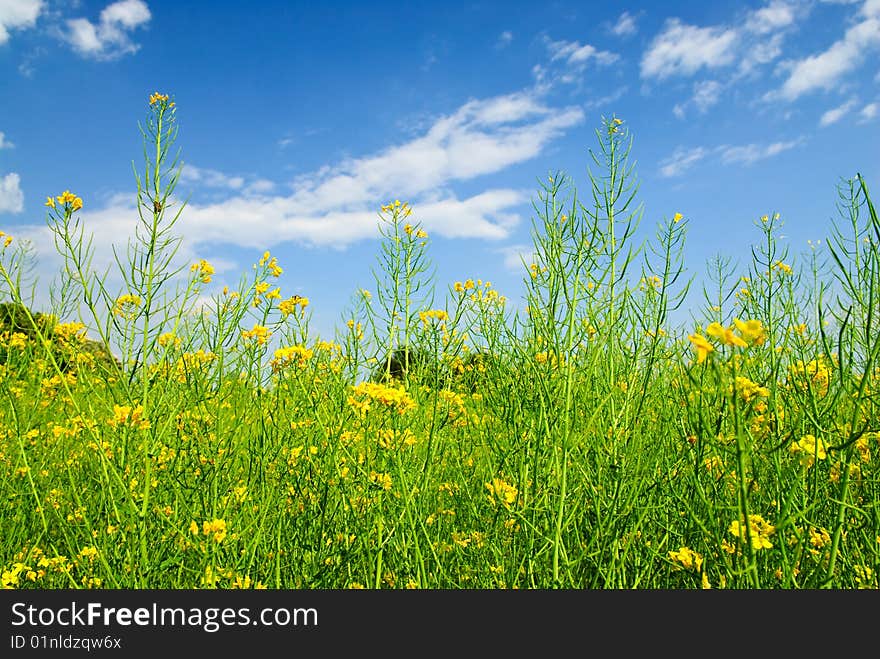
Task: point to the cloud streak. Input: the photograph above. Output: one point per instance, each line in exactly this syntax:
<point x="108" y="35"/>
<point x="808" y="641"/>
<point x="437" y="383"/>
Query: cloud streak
<point x="337" y="205"/>
<point x="18" y="15"/>
<point x="825" y="70"/>
<point x="11" y="196"/>
<point x="110" y="37"/>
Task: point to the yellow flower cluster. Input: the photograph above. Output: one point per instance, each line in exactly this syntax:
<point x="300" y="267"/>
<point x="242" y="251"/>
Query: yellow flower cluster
<point x="500" y="491"/>
<point x="259" y="332"/>
<point x="652" y="283"/>
<point x="760" y="530"/>
<point x="215" y="529"/>
<point x="291" y="305"/>
<point x="191" y="362"/>
<point x="816" y="373"/>
<point x="751" y="332"/>
<point x="687" y="558"/>
<point x="156" y="97"/>
<point x="68" y="332"/>
<point x="432" y="314"/>
<point x="748" y="390"/>
<point x="397" y="208"/>
<point x="409" y="228"/>
<point x="125" y="415"/>
<point x="126" y="306"/>
<point x="204" y="269"/>
<point x="298" y="355"/>
<point x="274" y="269"/>
<point x="366" y="393"/>
<point x="783" y="268"/>
<point x="614" y="126"/>
<point x="66" y="199"/>
<point x="6" y="241"/>
<point x="382" y="480"/>
<point x="808" y="449"/>
<point x="168" y="338"/>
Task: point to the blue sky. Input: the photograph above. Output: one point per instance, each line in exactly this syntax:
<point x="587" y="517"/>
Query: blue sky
<point x="299" y="120"/>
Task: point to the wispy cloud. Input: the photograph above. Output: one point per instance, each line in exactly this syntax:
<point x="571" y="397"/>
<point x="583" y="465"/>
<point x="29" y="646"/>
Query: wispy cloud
<point x="210" y="178"/>
<point x="625" y="25"/>
<point x="517" y="256"/>
<point x="110" y="37"/>
<point x="706" y="94"/>
<point x="776" y="15"/>
<point x="681" y="160"/>
<point x="682" y="49"/>
<point x="504" y="39"/>
<point x="868" y="112"/>
<point x="11" y="196"/>
<point x="836" y="114"/>
<point x="825" y="70"/>
<point x="575" y="54"/>
<point x="603" y="101"/>
<point x="4" y="143"/>
<point x="751" y="153"/>
<point x="337" y="205"/>
<point x="568" y="62"/>
<point x="754" y="39"/>
<point x="18" y="15"/>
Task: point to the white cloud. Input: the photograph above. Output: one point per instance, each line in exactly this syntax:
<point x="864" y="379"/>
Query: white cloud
<point x="18" y="15"/>
<point x="681" y="160"/>
<point x="836" y="114"/>
<point x="751" y="153"/>
<point x="337" y="205"/>
<point x="606" y="100"/>
<point x="706" y="94"/>
<point x="868" y="112"/>
<point x="11" y="196"/>
<point x="625" y="25"/>
<point x="682" y="49"/>
<point x="825" y="70"/>
<point x="515" y="256"/>
<point x="4" y="143"/>
<point x="573" y="53"/>
<point x="109" y="38"/>
<point x="778" y="14"/>
<point x="210" y="178"/>
<point x="504" y="39"/>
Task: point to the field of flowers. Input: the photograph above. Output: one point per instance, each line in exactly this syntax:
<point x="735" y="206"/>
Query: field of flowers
<point x="443" y="438"/>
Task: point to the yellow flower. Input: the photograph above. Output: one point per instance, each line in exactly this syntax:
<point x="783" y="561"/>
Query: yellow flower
<point x="809" y="449"/>
<point x="50" y="202"/>
<point x="782" y="267"/>
<point x="382" y="480"/>
<point x="725" y="335"/>
<point x="677" y="218"/>
<point x="501" y="492"/>
<point x="289" y="306"/>
<point x="204" y="270"/>
<point x="687" y="558"/>
<point x="435" y="314"/>
<point x="702" y="345"/>
<point x="259" y="332"/>
<point x="217" y="528"/>
<point x="125" y="415"/>
<point x="759" y="529"/>
<point x="126" y="304"/>
<point x="157" y="97"/>
<point x="751" y="330"/>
